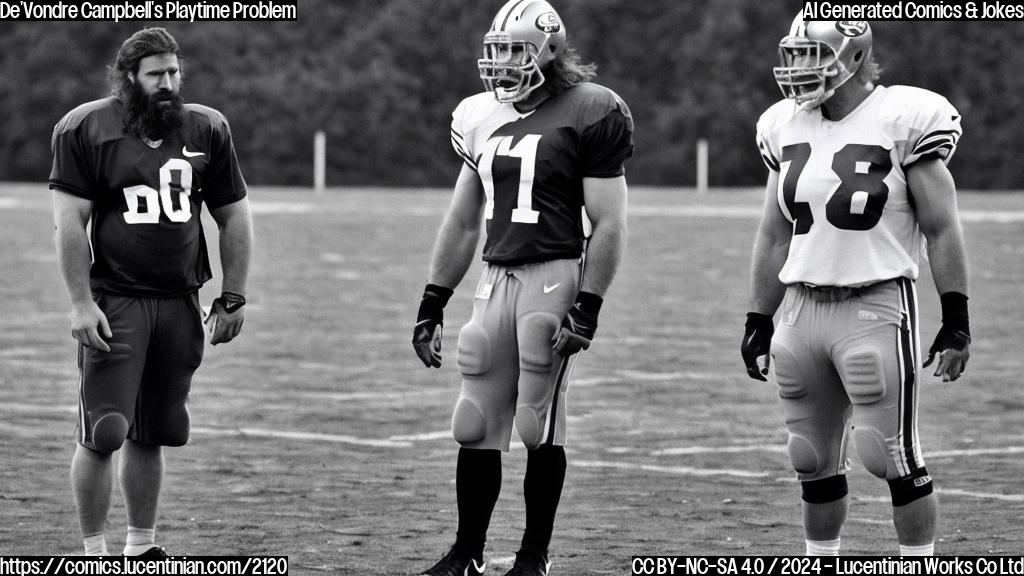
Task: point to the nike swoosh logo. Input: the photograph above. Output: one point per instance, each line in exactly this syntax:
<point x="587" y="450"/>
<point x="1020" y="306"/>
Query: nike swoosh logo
<point x="478" y="567"/>
<point x="549" y="289"/>
<point x="187" y="154"/>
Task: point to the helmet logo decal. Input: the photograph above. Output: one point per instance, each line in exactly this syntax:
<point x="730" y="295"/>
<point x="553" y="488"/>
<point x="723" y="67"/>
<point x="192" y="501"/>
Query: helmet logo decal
<point x="548" y="23"/>
<point x="852" y="28"/>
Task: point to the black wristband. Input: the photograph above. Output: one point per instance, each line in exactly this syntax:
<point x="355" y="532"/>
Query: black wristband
<point x="439" y="292"/>
<point x="759" y="320"/>
<point x="232" y="301"/>
<point x="589" y="303"/>
<point x="954" y="311"/>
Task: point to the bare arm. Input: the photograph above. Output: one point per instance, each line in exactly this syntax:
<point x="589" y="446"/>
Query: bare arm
<point x="235" y="240"/>
<point x="606" y="200"/>
<point x="235" y="224"/>
<point x="460" y="232"/>
<point x="71" y="215"/>
<point x="453" y="253"/>
<point x="934" y="194"/>
<point x="771" y="248"/>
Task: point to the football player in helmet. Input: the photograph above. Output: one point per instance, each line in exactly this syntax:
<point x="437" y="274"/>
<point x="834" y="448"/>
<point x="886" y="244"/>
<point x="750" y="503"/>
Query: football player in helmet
<point x="537" y="146"/>
<point x="134" y="170"/>
<point x="857" y="187"/>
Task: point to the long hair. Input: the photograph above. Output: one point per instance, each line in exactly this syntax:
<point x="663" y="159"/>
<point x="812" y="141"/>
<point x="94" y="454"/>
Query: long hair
<point x="145" y="42"/>
<point x="566" y="71"/>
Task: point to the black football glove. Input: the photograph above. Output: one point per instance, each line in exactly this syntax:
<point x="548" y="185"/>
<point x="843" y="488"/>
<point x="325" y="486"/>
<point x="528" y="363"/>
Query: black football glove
<point x="578" y="325"/>
<point x="757" y="341"/>
<point x="426" y="335"/>
<point x="225" y="319"/>
<point x="955" y="333"/>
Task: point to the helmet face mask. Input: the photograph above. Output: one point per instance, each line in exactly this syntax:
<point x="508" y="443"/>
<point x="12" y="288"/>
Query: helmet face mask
<point x="816" y="58"/>
<point x="509" y="68"/>
<point x="524" y="38"/>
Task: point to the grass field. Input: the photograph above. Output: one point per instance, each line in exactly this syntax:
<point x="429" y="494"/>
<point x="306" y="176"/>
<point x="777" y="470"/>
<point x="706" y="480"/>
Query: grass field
<point x="319" y="435"/>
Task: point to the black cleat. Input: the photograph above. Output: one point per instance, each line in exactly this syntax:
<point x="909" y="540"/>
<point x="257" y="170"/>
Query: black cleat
<point x="154" y="553"/>
<point x="530" y="564"/>
<point x="456" y="563"/>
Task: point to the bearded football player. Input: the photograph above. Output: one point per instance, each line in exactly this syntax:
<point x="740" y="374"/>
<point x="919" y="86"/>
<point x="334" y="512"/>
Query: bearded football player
<point x="858" y="186"/>
<point x="539" y="145"/>
<point x="130" y="175"/>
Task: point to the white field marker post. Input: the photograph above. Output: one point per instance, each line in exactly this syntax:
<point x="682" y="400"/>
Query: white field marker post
<point x="702" y="166"/>
<point x="319" y="161"/>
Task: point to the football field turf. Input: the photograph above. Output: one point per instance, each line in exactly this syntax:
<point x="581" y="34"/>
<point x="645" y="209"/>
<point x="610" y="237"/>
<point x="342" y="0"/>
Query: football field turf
<point x="319" y="435"/>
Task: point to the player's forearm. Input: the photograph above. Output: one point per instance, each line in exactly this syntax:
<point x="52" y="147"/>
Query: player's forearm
<point x="766" y="290"/>
<point x="236" y="251"/>
<point x="75" y="260"/>
<point x="948" y="259"/>
<point x="604" y="253"/>
<point x="453" y="254"/>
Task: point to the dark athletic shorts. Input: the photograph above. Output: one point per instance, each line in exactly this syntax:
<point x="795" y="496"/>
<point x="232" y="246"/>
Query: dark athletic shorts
<point x="157" y="345"/>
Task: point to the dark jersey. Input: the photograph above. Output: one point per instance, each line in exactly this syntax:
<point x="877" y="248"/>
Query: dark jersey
<point x="147" y="238"/>
<point x="532" y="165"/>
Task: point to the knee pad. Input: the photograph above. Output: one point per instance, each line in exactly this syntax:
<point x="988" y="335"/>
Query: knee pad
<point x="468" y="422"/>
<point x="864" y="376"/>
<point x="873" y="451"/>
<point x="825" y="490"/>
<point x="474" y="356"/>
<point x="906" y="490"/>
<point x="803" y="455"/>
<point x="109" y="432"/>
<point x="535" y="333"/>
<point x="531" y="426"/>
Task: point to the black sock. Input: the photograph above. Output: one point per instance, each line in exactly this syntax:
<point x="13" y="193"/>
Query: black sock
<point x="477" y="484"/>
<point x="545" y="474"/>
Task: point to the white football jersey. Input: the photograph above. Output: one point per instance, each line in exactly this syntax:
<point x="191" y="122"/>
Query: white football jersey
<point x="843" y="184"/>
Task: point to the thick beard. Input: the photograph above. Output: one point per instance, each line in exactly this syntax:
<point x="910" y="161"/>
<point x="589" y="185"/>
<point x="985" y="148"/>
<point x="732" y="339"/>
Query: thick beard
<point x="153" y="116"/>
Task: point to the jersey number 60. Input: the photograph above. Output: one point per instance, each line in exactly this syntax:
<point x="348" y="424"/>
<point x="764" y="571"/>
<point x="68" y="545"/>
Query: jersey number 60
<point x="154" y="199"/>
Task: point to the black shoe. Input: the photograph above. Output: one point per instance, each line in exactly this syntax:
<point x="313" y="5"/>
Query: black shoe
<point x="154" y="553"/>
<point x="456" y="563"/>
<point x="530" y="564"/>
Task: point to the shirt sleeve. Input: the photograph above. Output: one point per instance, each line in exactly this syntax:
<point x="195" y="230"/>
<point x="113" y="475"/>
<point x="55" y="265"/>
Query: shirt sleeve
<point x="459" y="136"/>
<point x="223" y="182"/>
<point x="933" y="130"/>
<point x="608" y="143"/>
<point x="765" y="145"/>
<point x="70" y="169"/>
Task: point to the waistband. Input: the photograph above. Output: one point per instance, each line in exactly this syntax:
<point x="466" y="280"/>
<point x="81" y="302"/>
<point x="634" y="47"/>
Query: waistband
<point x="840" y="293"/>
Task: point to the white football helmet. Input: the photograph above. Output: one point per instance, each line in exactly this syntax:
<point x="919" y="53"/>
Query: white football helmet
<point x="817" y="57"/>
<point x="525" y="37"/>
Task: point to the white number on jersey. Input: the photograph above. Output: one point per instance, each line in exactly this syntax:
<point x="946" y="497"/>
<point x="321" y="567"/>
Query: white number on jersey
<point x="526" y="151"/>
<point x="156" y="199"/>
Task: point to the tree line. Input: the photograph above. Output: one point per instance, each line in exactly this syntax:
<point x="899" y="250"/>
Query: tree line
<point x="381" y="77"/>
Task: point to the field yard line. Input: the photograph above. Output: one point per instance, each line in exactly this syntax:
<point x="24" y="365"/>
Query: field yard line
<point x="36" y="408"/>
<point x="678" y="470"/>
<point x="337" y="438"/>
<point x="691" y="450"/>
<point x="1005" y="450"/>
<point x="955" y="492"/>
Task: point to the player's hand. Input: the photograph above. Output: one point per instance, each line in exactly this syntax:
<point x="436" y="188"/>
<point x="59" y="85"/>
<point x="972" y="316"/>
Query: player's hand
<point x="953" y="341"/>
<point x="757" y="342"/>
<point x="578" y="325"/>
<point x="426" y="335"/>
<point x="89" y="326"/>
<point x="225" y="319"/>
